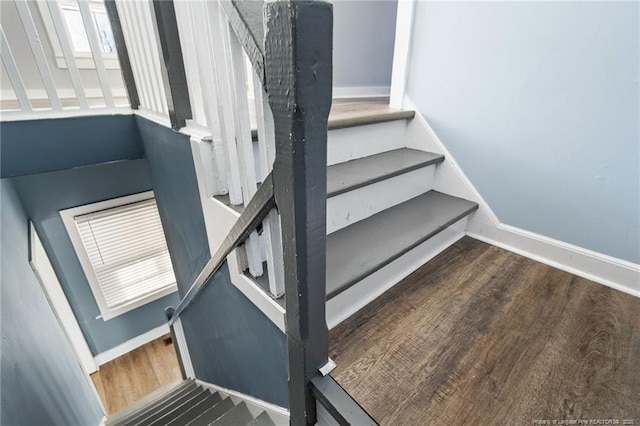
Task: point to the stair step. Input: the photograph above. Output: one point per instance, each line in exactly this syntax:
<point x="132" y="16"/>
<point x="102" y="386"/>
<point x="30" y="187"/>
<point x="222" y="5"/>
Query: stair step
<point x="213" y="413"/>
<point x="171" y="411"/>
<point x="264" y="419"/>
<point x="364" y="247"/>
<point x="238" y="415"/>
<point x="166" y="407"/>
<point x="344" y="177"/>
<point x="195" y="410"/>
<point x="149" y="400"/>
<point x="360" y="112"/>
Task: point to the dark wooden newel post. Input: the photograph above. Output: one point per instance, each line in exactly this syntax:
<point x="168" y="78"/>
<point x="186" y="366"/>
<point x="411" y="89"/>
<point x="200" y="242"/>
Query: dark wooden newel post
<point x="298" y="70"/>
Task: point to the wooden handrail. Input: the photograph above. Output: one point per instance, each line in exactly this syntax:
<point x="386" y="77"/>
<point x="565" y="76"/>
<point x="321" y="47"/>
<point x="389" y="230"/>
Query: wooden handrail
<point x="252" y="216"/>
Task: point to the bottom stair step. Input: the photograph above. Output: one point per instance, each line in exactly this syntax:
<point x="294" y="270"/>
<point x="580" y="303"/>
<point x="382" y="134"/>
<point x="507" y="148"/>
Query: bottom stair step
<point x="239" y="415"/>
<point x="213" y="413"/>
<point x="169" y="407"/>
<point x="362" y="248"/>
<point x="146" y="404"/>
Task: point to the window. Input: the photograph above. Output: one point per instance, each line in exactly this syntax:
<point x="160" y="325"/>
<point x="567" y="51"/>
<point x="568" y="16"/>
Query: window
<point x="78" y="34"/>
<point x="123" y="252"/>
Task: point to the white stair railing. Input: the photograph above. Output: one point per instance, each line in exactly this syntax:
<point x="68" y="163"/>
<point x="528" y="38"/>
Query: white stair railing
<point x="48" y="92"/>
<point x="139" y="29"/>
<point x="220" y="85"/>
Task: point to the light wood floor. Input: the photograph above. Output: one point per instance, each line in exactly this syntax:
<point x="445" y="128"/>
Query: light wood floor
<point x="483" y="336"/>
<point x="130" y="377"/>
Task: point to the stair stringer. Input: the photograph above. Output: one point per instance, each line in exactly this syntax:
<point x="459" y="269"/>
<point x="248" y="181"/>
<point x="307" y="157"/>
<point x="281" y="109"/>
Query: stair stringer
<point x="485" y="225"/>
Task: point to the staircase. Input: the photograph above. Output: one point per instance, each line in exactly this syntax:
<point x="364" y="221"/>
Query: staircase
<point x="384" y="216"/>
<point x="187" y="403"/>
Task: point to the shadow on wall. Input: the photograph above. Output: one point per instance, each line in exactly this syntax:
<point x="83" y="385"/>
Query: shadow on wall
<point x="41" y="378"/>
<point x="43" y="196"/>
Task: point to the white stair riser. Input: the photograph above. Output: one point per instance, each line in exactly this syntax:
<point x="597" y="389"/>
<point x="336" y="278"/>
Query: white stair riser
<point x="357" y="142"/>
<point x="353" y="206"/>
<point x="364" y="292"/>
<point x="361" y="141"/>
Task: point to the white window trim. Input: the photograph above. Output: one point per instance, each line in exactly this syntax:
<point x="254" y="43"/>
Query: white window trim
<point x="68" y="218"/>
<point x="84" y="60"/>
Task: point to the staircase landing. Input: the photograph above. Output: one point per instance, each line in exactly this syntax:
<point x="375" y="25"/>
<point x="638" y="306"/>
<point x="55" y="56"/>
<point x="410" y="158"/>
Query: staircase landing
<point x="358" y="112"/>
<point x="480" y="335"/>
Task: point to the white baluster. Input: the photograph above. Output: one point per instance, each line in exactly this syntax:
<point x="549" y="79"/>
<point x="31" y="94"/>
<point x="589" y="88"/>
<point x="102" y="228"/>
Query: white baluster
<point x="217" y="24"/>
<point x="130" y="29"/>
<point x="151" y="43"/>
<point x="272" y="228"/>
<point x="38" y="53"/>
<point x="14" y="74"/>
<point x="96" y="51"/>
<point x="68" y="52"/>
<point x="244" y="142"/>
<point x="210" y="95"/>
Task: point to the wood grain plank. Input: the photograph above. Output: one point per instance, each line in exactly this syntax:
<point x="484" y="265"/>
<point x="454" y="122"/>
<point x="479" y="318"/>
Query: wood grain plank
<point x="480" y="335"/>
<point x="136" y="374"/>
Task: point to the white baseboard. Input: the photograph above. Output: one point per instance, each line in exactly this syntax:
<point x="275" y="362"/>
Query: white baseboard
<point x="271" y="408"/>
<point x="129" y="345"/>
<point x="347" y="92"/>
<point x="609" y="271"/>
<point x="484" y="225"/>
<point x="183" y="348"/>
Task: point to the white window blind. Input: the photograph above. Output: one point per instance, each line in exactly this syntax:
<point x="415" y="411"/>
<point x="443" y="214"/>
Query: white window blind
<point x="126" y="248"/>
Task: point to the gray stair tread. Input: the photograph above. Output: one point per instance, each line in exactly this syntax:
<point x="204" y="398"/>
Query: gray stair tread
<point x="176" y="401"/>
<point x="238" y="415"/>
<point x="151" y="400"/>
<point x="360" y="249"/>
<point x="172" y="410"/>
<point x="357" y="112"/>
<point x="360" y="112"/>
<point x="213" y="413"/>
<point x="263" y="419"/>
<point x="195" y="410"/>
<point x="355" y="174"/>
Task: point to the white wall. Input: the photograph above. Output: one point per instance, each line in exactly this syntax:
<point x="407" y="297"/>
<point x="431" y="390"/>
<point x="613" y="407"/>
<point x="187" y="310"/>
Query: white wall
<point x="363" y="38"/>
<point x="539" y="104"/>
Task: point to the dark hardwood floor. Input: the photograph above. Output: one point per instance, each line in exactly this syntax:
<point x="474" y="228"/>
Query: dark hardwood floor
<point x="483" y="336"/>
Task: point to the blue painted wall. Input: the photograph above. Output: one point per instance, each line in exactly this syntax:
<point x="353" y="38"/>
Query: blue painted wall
<point x="43" y="196"/>
<point x="233" y="345"/>
<point x="231" y="342"/>
<point x="539" y="103"/>
<point x="176" y="188"/>
<point x="37" y="146"/>
<point x="42" y="381"/>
